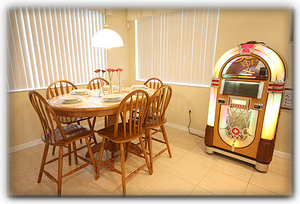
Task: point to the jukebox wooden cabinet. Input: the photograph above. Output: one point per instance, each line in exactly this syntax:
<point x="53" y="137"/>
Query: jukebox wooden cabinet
<point x="245" y="97"/>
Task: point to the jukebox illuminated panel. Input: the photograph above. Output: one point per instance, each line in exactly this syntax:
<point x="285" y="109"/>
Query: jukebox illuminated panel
<point x="244" y="104"/>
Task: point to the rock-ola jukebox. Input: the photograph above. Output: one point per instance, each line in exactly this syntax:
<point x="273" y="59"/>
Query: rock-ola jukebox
<point x="246" y="90"/>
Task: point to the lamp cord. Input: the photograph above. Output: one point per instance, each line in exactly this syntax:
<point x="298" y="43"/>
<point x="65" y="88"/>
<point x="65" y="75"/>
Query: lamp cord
<point x="190" y="124"/>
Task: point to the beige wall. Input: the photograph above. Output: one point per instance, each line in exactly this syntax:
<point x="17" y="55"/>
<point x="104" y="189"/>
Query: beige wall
<point x="235" y="26"/>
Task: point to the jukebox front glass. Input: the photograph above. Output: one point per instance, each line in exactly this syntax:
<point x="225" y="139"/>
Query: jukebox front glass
<point x="248" y="67"/>
<point x="237" y="125"/>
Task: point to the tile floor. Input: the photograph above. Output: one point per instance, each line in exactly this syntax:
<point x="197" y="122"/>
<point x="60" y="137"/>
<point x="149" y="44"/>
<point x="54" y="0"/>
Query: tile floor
<point x="190" y="172"/>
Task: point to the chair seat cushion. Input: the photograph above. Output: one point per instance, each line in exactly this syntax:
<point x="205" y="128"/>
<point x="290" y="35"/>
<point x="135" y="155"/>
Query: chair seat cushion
<point x="120" y="138"/>
<point x="73" y="132"/>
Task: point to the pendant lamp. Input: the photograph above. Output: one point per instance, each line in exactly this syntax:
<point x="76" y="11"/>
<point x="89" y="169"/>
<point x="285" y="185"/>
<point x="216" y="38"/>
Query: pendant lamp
<point x="107" y="38"/>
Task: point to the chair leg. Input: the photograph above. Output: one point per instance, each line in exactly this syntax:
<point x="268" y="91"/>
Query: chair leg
<point x="105" y="121"/>
<point x="126" y="147"/>
<point x="166" y="139"/>
<point x="43" y="162"/>
<point x="123" y="168"/>
<point x="60" y="166"/>
<point x="91" y="153"/>
<point x="100" y="158"/>
<point x="145" y="156"/>
<point x="149" y="139"/>
<point x="146" y="141"/>
<point x="75" y="153"/>
<point x="53" y="150"/>
<point x="91" y="126"/>
<point x="69" y="151"/>
<point x="78" y="123"/>
<point x="113" y="155"/>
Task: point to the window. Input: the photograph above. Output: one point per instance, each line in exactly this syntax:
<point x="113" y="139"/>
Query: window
<point x="48" y="44"/>
<point x="178" y="47"/>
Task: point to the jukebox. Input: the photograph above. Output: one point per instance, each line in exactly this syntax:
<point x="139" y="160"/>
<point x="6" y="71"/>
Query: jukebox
<point x="245" y="97"/>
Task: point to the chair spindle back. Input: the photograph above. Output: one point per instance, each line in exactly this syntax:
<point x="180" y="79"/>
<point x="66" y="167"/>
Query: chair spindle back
<point x="59" y="87"/>
<point x="95" y="83"/>
<point x="158" y="105"/>
<point x="132" y="121"/>
<point x="49" y="121"/>
<point x="153" y="83"/>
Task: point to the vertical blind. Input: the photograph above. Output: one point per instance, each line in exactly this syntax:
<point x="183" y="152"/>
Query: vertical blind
<point x="48" y="44"/>
<point x="179" y="47"/>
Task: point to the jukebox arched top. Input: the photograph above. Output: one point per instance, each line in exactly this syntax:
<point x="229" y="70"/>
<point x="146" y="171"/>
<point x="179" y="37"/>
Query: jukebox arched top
<point x="245" y="67"/>
<point x="250" y="60"/>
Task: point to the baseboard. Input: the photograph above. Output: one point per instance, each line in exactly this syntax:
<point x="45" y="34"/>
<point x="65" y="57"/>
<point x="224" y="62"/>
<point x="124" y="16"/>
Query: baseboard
<point x="183" y="128"/>
<point x="37" y="142"/>
<point x="282" y="155"/>
<point x="25" y="146"/>
<point x="101" y="122"/>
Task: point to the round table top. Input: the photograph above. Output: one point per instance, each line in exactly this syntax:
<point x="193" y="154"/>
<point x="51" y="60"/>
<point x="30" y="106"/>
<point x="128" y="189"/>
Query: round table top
<point x="92" y="105"/>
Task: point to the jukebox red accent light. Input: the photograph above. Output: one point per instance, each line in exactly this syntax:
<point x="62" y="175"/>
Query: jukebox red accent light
<point x="246" y="48"/>
<point x="244" y="105"/>
<point x="215" y="82"/>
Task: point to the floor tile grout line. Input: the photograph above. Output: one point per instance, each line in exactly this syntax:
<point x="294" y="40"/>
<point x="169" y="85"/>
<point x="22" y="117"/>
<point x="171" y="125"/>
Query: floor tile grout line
<point x="232" y="176"/>
<point x="263" y="188"/>
<point x="178" y="178"/>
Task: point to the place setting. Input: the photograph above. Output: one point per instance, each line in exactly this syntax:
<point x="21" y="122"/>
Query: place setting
<point x="80" y="92"/>
<point x="110" y="99"/>
<point x="69" y="100"/>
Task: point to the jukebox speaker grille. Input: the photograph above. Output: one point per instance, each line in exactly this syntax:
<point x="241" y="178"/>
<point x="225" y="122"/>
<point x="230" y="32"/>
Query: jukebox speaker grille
<point x="241" y="88"/>
<point x="237" y="125"/>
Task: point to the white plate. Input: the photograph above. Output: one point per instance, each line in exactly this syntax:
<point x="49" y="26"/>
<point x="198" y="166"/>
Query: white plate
<point x="70" y="99"/>
<point x="139" y="87"/>
<point x="106" y="87"/>
<point x="80" y="92"/>
<point x="112" y="97"/>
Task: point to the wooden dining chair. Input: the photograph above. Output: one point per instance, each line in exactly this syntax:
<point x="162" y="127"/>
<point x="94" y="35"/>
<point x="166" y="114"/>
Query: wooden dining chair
<point x="122" y="133"/>
<point x="156" y="119"/>
<point x="62" y="87"/>
<point x="55" y="134"/>
<point x="95" y="84"/>
<point x="153" y="83"/>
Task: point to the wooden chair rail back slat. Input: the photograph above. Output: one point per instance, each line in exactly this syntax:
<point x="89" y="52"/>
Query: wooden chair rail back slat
<point x="154" y="83"/>
<point x="59" y="87"/>
<point x="132" y="121"/>
<point x="158" y="105"/>
<point x="47" y="116"/>
<point x="95" y="83"/>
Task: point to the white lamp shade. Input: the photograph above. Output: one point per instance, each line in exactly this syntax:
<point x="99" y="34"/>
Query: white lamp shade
<point x="107" y="38"/>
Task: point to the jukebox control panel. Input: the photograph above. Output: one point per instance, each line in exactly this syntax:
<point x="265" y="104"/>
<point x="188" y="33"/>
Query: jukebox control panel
<point x="240" y="102"/>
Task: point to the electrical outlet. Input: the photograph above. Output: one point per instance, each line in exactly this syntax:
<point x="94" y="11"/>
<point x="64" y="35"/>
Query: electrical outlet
<point x="190" y="109"/>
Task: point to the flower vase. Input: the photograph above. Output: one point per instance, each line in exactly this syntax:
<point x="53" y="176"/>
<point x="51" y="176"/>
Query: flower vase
<point x="119" y="82"/>
<point x="101" y="89"/>
<point x="110" y="88"/>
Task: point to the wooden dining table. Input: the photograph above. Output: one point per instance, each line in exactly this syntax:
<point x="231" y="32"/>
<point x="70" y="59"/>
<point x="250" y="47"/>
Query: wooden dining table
<point x="91" y="105"/>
